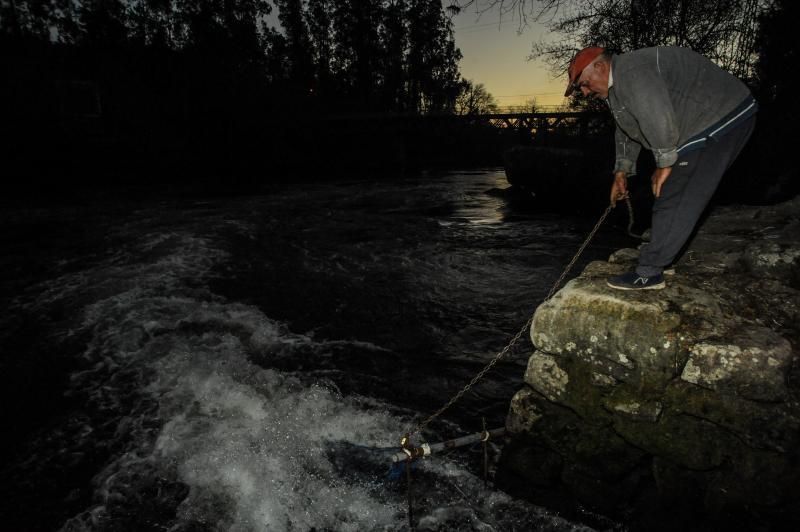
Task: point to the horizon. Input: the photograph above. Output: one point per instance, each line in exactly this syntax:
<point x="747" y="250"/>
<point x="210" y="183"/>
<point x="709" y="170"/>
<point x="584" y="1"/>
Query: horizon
<point x="496" y="54"/>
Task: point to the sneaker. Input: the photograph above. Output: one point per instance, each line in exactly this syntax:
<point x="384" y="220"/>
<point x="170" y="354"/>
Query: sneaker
<point x="634" y="281"/>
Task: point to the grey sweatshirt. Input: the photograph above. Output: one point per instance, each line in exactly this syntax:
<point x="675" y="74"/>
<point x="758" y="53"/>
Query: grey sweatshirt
<point x="669" y="99"/>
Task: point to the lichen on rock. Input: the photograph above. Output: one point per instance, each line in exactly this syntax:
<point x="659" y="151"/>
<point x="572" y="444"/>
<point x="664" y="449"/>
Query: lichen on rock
<point x="756" y="367"/>
<point x="546" y="377"/>
<point x="689" y="393"/>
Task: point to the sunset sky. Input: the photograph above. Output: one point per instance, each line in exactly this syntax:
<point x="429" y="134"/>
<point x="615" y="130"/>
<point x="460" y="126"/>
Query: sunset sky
<point x="495" y="54"/>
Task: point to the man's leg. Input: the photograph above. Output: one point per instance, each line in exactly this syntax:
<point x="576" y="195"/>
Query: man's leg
<point x="685" y="194"/>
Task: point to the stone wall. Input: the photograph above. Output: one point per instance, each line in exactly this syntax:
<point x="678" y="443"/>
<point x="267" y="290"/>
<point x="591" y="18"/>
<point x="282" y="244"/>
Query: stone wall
<point x="677" y="406"/>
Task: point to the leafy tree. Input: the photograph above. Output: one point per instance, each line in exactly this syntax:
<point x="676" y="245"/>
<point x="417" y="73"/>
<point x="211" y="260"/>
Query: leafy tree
<point x="298" y="44"/>
<point x="778" y="52"/>
<point x="432" y="58"/>
<point x="394" y="32"/>
<point x="319" y="21"/>
<point x="357" y="48"/>
<point x="474" y="99"/>
<point x="104" y="23"/>
<point x="393" y="55"/>
<point x="29" y="18"/>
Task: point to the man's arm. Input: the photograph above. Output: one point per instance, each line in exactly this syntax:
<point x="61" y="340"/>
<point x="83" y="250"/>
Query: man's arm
<point x="627" y="151"/>
<point x="658" y="179"/>
<point x="647" y="99"/>
<point x="619" y="188"/>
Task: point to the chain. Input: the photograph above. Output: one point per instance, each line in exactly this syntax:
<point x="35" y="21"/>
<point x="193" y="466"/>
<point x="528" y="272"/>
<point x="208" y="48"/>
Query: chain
<point x="519" y="334"/>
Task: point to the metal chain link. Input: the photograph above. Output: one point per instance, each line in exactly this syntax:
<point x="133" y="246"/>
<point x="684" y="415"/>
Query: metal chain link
<point x="421" y="426"/>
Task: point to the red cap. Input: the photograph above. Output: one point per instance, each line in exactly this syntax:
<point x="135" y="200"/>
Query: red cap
<point x="581" y="60"/>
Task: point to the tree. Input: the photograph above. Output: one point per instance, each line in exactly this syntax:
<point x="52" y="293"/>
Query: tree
<point x="394" y="33"/>
<point x="474" y="99"/>
<point x="298" y="44"/>
<point x="29" y="18"/>
<point x="318" y="17"/>
<point x="389" y="55"/>
<point x="531" y="105"/>
<point x="723" y="30"/>
<point x="778" y="52"/>
<point x="432" y="58"/>
<point x="357" y="47"/>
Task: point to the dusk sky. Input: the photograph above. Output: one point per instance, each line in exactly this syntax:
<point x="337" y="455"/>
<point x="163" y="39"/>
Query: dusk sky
<point x="496" y="54"/>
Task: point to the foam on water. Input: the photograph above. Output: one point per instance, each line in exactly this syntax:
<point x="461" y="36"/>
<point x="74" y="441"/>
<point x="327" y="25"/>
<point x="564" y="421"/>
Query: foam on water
<point x="259" y="438"/>
<point x="228" y="443"/>
<point x="251" y="443"/>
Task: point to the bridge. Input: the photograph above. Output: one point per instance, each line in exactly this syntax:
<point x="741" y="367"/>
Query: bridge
<point x="539" y="124"/>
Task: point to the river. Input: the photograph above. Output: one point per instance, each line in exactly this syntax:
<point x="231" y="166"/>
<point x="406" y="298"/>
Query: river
<point x="244" y="362"/>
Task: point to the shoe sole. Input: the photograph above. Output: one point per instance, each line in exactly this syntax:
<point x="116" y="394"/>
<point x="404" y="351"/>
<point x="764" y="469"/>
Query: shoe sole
<point x="659" y="286"/>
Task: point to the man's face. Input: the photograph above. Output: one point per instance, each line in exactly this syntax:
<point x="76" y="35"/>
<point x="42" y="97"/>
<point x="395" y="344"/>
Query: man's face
<point x="593" y="81"/>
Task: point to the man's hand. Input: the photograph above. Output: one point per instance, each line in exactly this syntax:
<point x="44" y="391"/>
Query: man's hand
<point x="658" y="179"/>
<point x="619" y="189"/>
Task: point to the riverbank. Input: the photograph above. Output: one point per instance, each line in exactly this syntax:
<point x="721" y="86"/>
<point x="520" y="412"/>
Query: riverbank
<point x="671" y="408"/>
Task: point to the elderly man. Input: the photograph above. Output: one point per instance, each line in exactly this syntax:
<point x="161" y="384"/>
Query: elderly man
<point x="692" y="115"/>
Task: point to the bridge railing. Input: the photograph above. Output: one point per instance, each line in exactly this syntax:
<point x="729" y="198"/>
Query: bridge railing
<point x="539" y="123"/>
<point x="517" y="109"/>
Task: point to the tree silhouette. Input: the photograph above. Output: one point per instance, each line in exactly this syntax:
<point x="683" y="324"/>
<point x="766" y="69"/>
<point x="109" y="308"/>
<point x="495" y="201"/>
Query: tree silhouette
<point x="298" y="45"/>
<point x="204" y="81"/>
<point x="356" y="49"/>
<point x="723" y="30"/>
<point x="432" y="58"/>
<point x="394" y="34"/>
<point x="475" y="99"/>
<point x="778" y="52"/>
<point x="319" y="21"/>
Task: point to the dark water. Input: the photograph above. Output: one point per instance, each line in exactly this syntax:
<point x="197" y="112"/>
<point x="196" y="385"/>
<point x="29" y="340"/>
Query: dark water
<point x="232" y="364"/>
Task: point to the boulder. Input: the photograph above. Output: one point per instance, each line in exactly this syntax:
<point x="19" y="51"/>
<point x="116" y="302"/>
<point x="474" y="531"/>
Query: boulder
<point x="674" y="406"/>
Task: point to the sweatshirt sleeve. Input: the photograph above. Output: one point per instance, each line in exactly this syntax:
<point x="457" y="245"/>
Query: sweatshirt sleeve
<point x="627" y="151"/>
<point x="648" y="100"/>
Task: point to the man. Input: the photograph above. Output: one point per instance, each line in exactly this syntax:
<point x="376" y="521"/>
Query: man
<point x="692" y="115"/>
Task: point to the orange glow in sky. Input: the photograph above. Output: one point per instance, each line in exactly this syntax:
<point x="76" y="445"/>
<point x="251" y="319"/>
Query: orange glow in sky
<point x="495" y="54"/>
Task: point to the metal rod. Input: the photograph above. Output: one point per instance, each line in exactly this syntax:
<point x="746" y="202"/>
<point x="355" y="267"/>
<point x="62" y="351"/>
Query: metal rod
<point x="426" y="449"/>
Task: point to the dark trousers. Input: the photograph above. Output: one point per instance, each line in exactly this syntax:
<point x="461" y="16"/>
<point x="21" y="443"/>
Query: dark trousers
<point x="685" y="195"/>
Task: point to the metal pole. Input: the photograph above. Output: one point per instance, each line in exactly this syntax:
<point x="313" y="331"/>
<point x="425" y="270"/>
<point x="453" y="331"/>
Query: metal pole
<point x="426" y="449"/>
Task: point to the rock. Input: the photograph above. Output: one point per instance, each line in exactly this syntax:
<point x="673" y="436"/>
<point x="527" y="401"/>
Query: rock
<point x="546" y="377"/>
<point x="773" y="259"/>
<point x="674" y="403"/>
<point x="624" y="256"/>
<point x="767" y="426"/>
<point x="635" y="409"/>
<point x="756" y="366"/>
<point x="631" y="340"/>
<point x="523" y="413"/>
